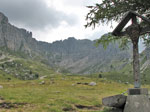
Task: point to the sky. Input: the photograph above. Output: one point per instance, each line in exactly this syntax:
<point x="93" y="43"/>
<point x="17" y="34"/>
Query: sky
<point x="51" y="20"/>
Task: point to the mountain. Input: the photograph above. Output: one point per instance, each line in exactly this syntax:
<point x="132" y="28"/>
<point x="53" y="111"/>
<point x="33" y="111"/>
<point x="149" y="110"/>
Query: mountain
<point x="70" y="55"/>
<point x="145" y="61"/>
<point x="82" y="56"/>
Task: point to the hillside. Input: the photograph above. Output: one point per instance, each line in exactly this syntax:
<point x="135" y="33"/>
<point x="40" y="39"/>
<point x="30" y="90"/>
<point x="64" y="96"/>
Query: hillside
<point x="70" y="55"/>
<point x="14" y="67"/>
<point x="145" y="63"/>
<point x="82" y="56"/>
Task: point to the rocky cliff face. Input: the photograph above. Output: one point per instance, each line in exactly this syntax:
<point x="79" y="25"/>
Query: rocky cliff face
<point x="82" y="56"/>
<point x="18" y="39"/>
<point x="145" y="61"/>
<point x="75" y="56"/>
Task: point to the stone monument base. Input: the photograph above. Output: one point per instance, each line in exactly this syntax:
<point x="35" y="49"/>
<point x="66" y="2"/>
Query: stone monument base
<point x="138" y="91"/>
<point x="137" y="103"/>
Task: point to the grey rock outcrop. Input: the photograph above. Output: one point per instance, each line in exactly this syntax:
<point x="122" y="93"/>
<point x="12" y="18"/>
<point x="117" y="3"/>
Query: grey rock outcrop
<point x="92" y="84"/>
<point x="71" y="55"/>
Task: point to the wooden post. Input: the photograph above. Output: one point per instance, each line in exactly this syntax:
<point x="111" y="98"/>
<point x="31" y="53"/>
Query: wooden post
<point x="136" y="64"/>
<point x="134" y="32"/>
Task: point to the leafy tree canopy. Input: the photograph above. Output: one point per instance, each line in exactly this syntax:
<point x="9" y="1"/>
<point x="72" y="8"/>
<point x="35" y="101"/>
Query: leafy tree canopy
<point x="114" y="10"/>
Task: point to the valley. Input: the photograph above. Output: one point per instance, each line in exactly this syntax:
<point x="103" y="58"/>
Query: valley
<point x="70" y="75"/>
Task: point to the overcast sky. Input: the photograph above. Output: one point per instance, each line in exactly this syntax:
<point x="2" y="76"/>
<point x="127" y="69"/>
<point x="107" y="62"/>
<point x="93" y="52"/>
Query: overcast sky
<point x="51" y="20"/>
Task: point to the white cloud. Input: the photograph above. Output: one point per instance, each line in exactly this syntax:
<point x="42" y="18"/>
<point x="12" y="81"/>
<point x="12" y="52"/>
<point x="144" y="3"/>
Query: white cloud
<point x="51" y="20"/>
<point x="77" y="7"/>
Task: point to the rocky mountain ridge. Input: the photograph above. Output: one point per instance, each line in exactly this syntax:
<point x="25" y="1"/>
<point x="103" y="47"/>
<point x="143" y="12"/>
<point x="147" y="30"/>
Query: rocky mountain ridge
<point x="70" y="55"/>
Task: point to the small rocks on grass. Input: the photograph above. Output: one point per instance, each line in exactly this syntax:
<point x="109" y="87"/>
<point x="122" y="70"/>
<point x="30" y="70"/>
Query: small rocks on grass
<point x="92" y="84"/>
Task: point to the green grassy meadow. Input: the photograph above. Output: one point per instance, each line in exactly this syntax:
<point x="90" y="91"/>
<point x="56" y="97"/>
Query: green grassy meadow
<point x="58" y="94"/>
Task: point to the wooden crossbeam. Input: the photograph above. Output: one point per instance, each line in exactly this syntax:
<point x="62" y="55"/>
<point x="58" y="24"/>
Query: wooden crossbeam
<point x="130" y="15"/>
<point x="122" y="24"/>
<point x="142" y="17"/>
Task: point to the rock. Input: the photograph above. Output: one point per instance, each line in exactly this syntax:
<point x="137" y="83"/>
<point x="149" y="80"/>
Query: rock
<point x="117" y="101"/>
<point x="42" y="77"/>
<point x="126" y="82"/>
<point x="73" y="84"/>
<point x="1" y="87"/>
<point x="79" y="83"/>
<point x="16" y="74"/>
<point x="43" y="82"/>
<point x="92" y="84"/>
<point x="137" y="103"/>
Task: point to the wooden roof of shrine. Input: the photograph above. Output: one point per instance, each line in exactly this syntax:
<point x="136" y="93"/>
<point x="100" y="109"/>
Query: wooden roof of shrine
<point x="130" y="15"/>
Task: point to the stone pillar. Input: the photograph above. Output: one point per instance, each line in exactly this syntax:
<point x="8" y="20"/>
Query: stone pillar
<point x="138" y="91"/>
<point x="137" y="103"/>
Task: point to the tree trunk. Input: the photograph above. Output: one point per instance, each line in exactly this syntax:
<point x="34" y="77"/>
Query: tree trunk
<point x="136" y="64"/>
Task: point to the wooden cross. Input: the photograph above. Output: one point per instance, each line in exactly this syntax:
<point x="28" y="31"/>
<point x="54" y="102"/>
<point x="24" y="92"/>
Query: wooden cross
<point x="133" y="31"/>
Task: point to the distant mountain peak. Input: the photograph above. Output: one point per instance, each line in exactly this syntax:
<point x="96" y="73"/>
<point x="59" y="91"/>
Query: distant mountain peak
<point x="3" y="18"/>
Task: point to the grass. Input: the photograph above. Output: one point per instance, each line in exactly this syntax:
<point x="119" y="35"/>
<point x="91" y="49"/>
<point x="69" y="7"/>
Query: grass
<point x="36" y="66"/>
<point x="58" y="94"/>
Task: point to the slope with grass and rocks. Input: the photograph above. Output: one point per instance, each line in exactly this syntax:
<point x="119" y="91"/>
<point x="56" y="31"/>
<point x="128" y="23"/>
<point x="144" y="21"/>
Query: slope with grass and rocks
<point x="12" y="66"/>
<point x="70" y="55"/>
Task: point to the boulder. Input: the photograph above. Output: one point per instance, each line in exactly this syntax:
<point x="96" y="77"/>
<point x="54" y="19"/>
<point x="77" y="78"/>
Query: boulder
<point x="117" y="101"/>
<point x="92" y="84"/>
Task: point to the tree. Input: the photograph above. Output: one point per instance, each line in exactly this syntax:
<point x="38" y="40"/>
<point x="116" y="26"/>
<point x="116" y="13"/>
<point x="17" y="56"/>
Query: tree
<point x="114" y="10"/>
